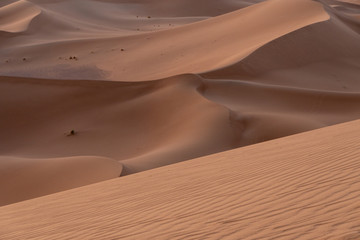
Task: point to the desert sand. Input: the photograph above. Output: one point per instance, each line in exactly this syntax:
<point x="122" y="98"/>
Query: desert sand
<point x="305" y="186"/>
<point x="22" y="179"/>
<point x="91" y="90"/>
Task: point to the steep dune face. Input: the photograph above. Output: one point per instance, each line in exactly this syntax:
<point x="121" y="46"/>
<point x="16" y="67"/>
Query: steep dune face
<point x="154" y="82"/>
<point x="299" y="187"/>
<point x="322" y="56"/>
<point x="151" y="124"/>
<point x="23" y="179"/>
<point x="155" y="123"/>
<point x="300" y="81"/>
<point x="17" y="16"/>
<point x="262" y="112"/>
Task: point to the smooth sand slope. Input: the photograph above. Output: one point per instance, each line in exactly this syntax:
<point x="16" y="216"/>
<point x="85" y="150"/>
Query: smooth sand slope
<point x="305" y="186"/>
<point x="146" y="124"/>
<point x="148" y="83"/>
<point x="22" y="179"/>
<point x="150" y="124"/>
<point x="192" y="48"/>
<point x="17" y="16"/>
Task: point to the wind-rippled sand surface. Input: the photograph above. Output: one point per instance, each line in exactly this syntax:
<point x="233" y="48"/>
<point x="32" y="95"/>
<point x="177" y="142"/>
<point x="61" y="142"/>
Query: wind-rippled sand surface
<point x="91" y="90"/>
<point x="305" y="186"/>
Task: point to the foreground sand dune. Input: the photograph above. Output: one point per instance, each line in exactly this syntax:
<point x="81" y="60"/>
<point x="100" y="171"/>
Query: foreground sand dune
<point x="304" y="186"/>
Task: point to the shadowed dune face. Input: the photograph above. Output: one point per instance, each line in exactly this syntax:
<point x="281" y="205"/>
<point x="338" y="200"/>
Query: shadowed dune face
<point x="323" y="56"/>
<point x="156" y="123"/>
<point x="150" y="124"/>
<point x="149" y="83"/>
<point x="25" y="178"/>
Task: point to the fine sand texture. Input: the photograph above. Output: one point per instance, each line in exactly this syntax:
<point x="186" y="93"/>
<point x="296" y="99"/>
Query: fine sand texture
<point x="305" y="186"/>
<point x="23" y="179"/>
<point x="94" y="89"/>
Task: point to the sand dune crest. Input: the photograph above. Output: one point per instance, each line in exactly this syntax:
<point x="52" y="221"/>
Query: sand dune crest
<point x="175" y="50"/>
<point x="229" y="38"/>
<point x="17" y="16"/>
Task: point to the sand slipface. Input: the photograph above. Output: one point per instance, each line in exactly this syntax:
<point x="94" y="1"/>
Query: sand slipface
<point x="304" y="186"/>
<point x="17" y="16"/>
<point x="145" y="84"/>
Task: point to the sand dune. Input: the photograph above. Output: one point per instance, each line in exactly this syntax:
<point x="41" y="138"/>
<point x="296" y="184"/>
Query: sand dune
<point x="322" y="56"/>
<point x="225" y="41"/>
<point x="118" y="120"/>
<point x="17" y="16"/>
<point x="148" y="83"/>
<point x="357" y="2"/>
<point x="304" y="186"/>
<point x="22" y="179"/>
<point x="130" y="122"/>
<point x="184" y="49"/>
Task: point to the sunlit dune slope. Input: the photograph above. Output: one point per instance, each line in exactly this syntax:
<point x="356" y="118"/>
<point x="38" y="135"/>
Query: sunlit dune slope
<point x="322" y="56"/>
<point x="304" y="186"/>
<point x="16" y="16"/>
<point x="191" y="48"/>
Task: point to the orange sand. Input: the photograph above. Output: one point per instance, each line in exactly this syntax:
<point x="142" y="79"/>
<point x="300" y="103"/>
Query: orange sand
<point x="305" y="186"/>
<point x="149" y="83"/>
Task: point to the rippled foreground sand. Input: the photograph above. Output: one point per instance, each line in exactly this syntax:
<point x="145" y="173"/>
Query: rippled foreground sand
<point x="91" y="90"/>
<point x="305" y="186"/>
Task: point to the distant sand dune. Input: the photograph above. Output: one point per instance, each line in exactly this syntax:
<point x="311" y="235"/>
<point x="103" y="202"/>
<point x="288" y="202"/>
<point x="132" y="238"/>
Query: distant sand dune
<point x="117" y="120"/>
<point x="229" y="38"/>
<point x="357" y="2"/>
<point x="17" y="16"/>
<point x="324" y="56"/>
<point x="131" y="123"/>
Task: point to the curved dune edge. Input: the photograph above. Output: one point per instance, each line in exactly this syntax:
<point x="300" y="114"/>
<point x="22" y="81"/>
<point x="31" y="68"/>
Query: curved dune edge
<point x="304" y="186"/>
<point x="191" y="48"/>
<point x="213" y="43"/>
<point x="118" y="120"/>
<point x="150" y="124"/>
<point x="25" y="178"/>
<point x="322" y="56"/>
<point x="17" y="16"/>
